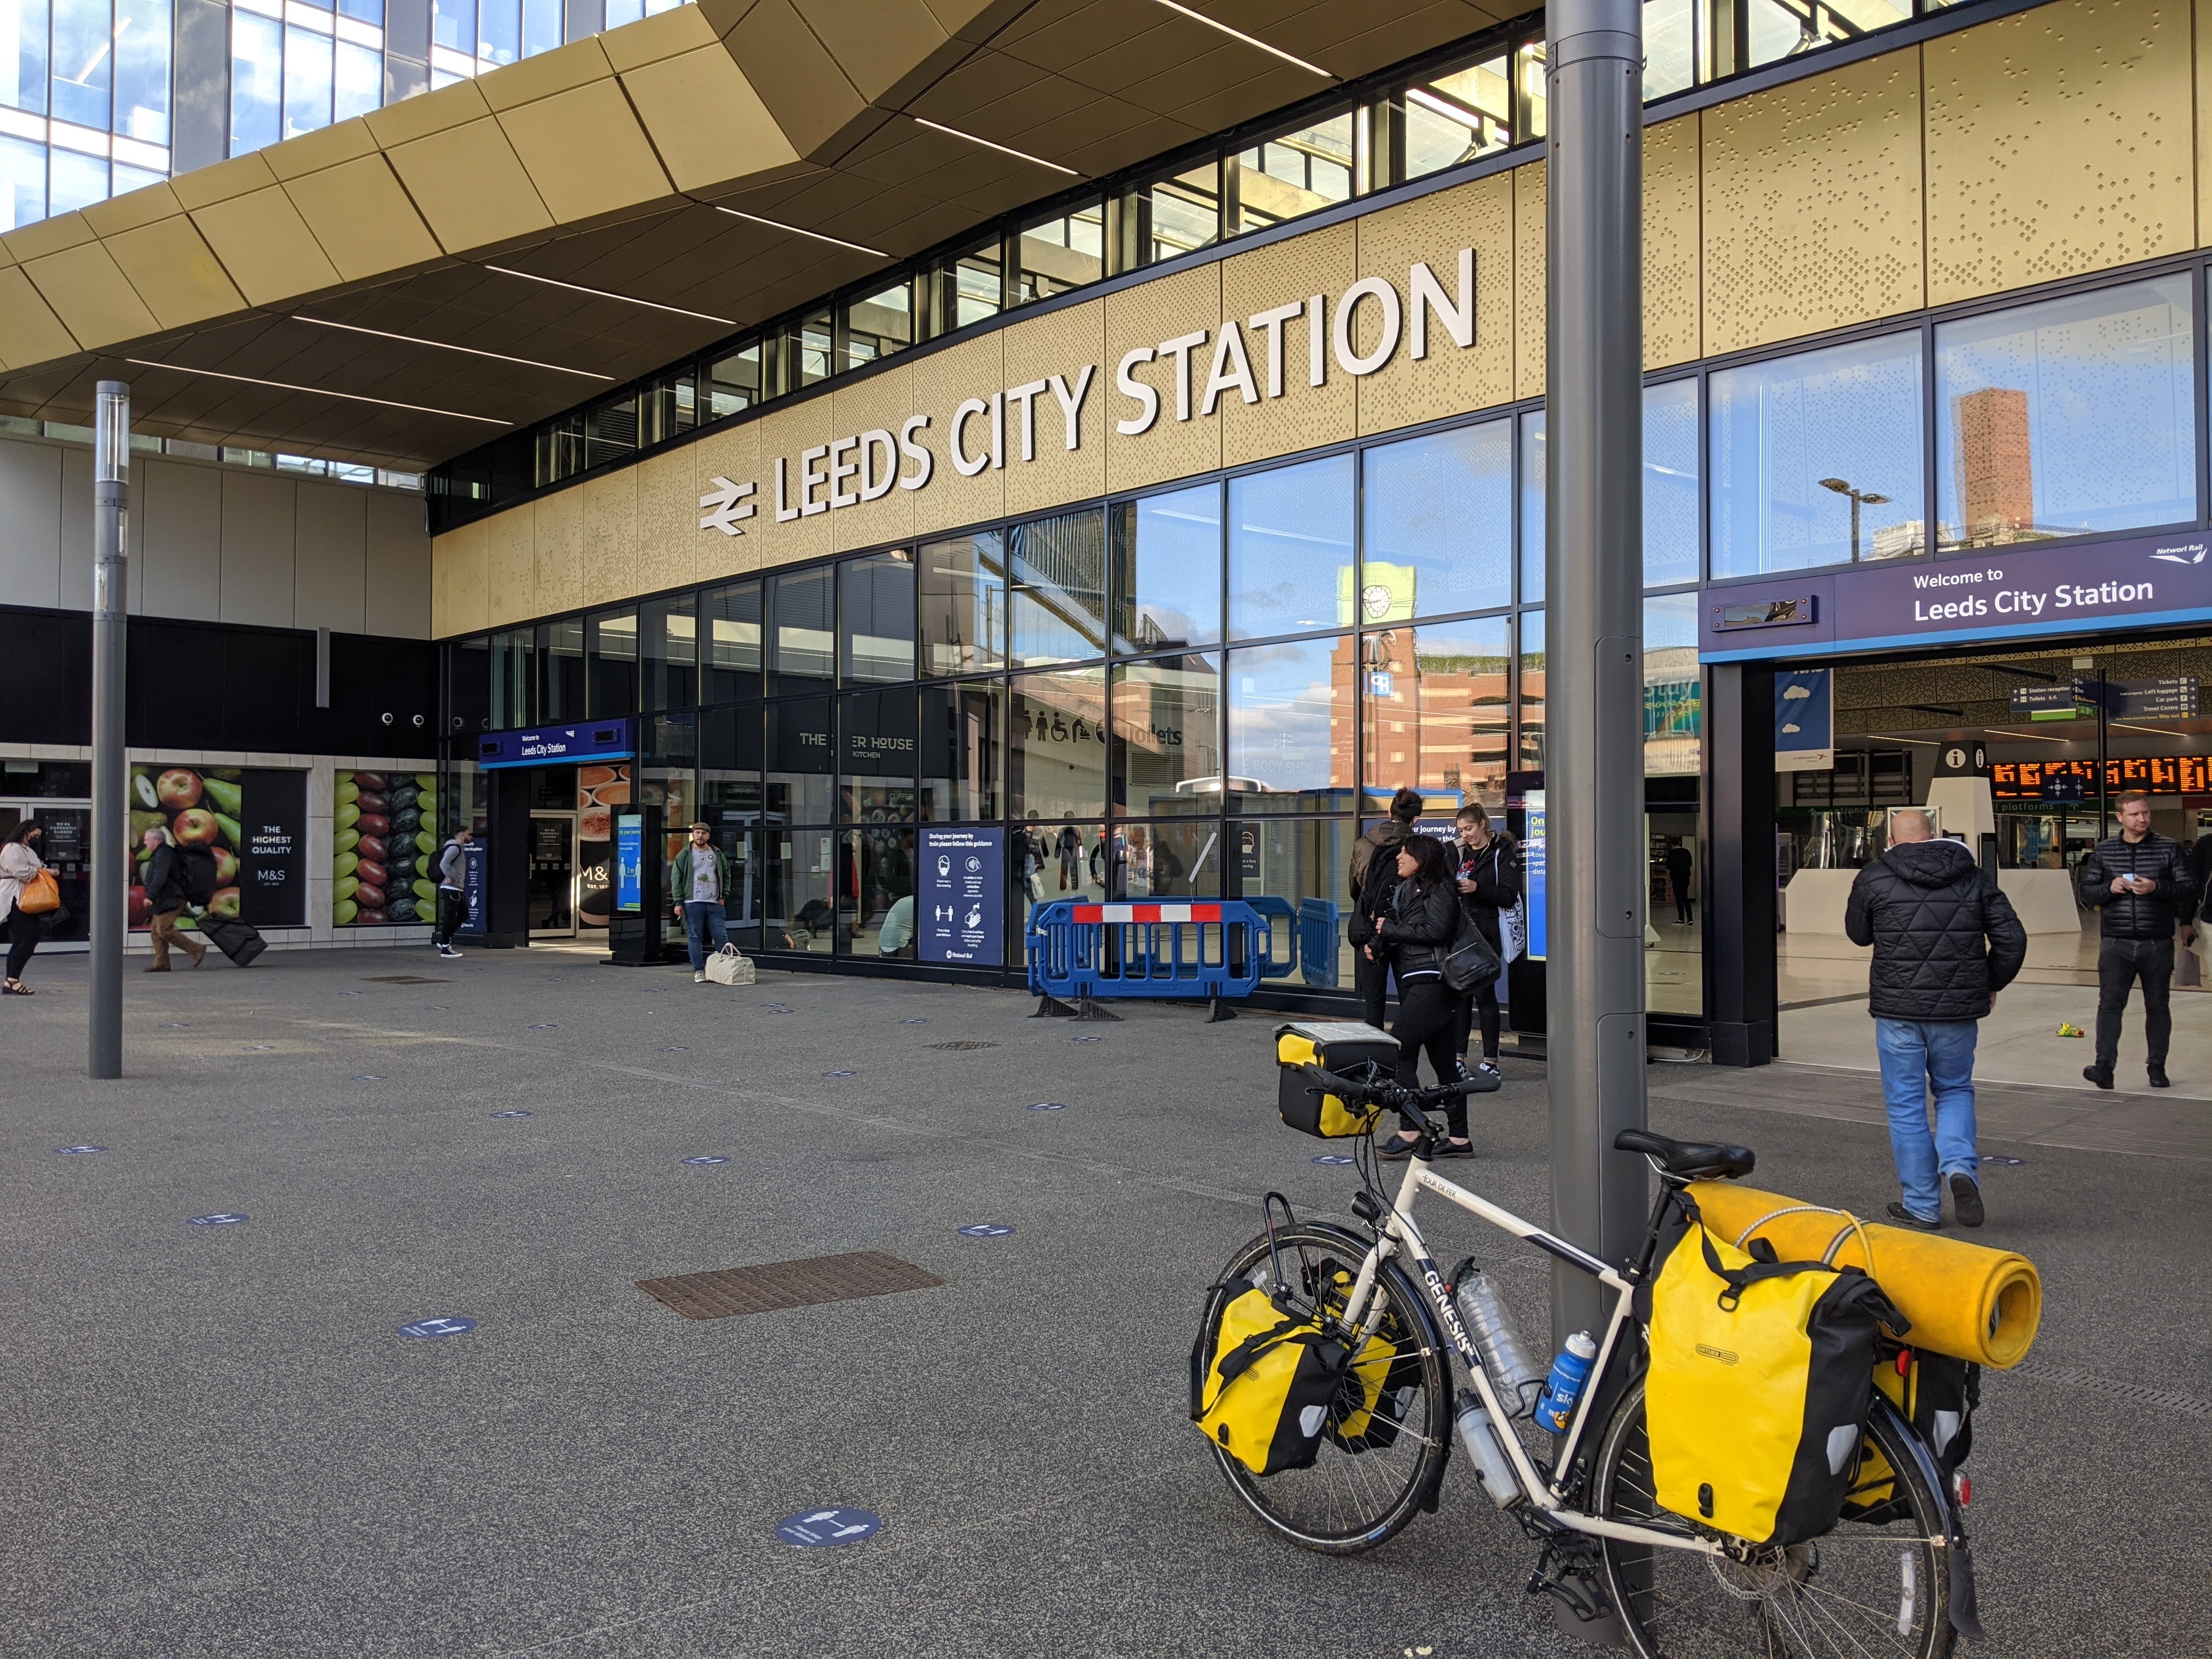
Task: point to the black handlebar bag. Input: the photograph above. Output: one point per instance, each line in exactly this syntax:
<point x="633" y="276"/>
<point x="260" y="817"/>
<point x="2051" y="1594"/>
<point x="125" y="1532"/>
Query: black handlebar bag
<point x="1358" y="1054"/>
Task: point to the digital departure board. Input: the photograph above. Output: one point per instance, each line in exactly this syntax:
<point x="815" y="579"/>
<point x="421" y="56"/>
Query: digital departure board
<point x="2076" y="780"/>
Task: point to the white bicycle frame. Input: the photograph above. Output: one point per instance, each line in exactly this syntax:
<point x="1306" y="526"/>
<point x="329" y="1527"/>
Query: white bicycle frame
<point x="1399" y="1234"/>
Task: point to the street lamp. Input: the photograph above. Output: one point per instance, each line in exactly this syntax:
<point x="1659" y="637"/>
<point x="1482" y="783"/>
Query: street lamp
<point x="1857" y="495"/>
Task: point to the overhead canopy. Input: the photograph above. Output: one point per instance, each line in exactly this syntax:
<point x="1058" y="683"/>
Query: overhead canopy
<point x="606" y="165"/>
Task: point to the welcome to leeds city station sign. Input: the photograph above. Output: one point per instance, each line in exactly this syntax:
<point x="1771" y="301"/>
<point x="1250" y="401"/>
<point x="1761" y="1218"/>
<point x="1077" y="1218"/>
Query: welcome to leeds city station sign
<point x="984" y="431"/>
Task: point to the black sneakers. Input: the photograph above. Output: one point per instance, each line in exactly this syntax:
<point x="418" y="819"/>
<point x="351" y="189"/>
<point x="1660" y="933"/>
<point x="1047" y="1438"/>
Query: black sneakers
<point x="2100" y="1075"/>
<point x="1966" y="1198"/>
<point x="2157" y="1073"/>
<point x="1904" y="1217"/>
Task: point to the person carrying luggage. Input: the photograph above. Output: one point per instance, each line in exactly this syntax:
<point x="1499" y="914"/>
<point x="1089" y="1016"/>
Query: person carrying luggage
<point x="20" y="865"/>
<point x="1370" y="880"/>
<point x="699" y="882"/>
<point x="1418" y="932"/>
<point x="166" y="897"/>
<point x="452" y="890"/>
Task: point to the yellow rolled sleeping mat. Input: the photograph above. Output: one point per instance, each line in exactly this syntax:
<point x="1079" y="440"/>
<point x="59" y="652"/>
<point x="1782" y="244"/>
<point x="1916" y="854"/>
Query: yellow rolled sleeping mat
<point x="1965" y="1300"/>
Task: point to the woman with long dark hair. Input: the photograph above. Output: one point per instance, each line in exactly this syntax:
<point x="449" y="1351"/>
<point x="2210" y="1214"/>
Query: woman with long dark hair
<point x="20" y="863"/>
<point x="1423" y="921"/>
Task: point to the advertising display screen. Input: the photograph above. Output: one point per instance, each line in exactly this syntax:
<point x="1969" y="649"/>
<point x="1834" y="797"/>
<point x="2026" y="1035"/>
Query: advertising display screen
<point x="2076" y="780"/>
<point x="1532" y="866"/>
<point x="961" y="903"/>
<point x="629" y="862"/>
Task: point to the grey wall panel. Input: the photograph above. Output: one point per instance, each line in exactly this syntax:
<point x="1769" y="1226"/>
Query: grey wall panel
<point x="176" y="542"/>
<point x="257" y="550"/>
<point x="201" y="121"/>
<point x="398" y="568"/>
<point x="30" y="524"/>
<point x="329" y="589"/>
<point x="76" y="528"/>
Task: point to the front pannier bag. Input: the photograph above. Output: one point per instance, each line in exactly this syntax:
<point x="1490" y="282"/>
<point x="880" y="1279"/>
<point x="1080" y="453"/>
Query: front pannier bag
<point x="1265" y="1393"/>
<point x="1357" y="1053"/>
<point x="1760" y="1379"/>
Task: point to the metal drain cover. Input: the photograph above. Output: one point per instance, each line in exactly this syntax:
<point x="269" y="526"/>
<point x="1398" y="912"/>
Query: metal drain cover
<point x="787" y="1285"/>
<point x="401" y="979"/>
<point x="961" y="1047"/>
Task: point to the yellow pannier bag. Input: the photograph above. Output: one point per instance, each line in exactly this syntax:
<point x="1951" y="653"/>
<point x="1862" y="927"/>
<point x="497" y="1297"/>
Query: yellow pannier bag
<point x="1761" y="1376"/>
<point x="1358" y="1053"/>
<point x="1265" y="1392"/>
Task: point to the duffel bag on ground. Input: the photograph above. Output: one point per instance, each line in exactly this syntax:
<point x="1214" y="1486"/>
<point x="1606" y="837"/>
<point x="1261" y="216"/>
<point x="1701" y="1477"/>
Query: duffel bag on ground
<point x="1761" y="1376"/>
<point x="1264" y="1391"/>
<point x="729" y="966"/>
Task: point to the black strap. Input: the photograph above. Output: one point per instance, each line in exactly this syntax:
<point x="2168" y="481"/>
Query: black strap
<point x="1740" y="1279"/>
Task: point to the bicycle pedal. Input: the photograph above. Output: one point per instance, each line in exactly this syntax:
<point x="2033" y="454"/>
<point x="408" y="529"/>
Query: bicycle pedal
<point x="1567" y="1570"/>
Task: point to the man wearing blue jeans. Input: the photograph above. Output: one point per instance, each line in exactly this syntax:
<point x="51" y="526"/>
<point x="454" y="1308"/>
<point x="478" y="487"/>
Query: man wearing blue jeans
<point x="1945" y="941"/>
<point x="700" y="883"/>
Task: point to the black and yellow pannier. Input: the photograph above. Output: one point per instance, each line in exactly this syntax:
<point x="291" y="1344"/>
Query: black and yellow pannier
<point x="1266" y="1393"/>
<point x="1359" y="1052"/>
<point x="1937" y="1393"/>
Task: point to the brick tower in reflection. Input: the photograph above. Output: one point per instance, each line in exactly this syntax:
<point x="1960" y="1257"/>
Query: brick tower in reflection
<point x="1996" y="477"/>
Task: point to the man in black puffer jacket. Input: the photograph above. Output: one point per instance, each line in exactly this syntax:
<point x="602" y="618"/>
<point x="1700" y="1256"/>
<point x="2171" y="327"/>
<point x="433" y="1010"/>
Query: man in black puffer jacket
<point x="1945" y="941"/>
<point x="2141" y="880"/>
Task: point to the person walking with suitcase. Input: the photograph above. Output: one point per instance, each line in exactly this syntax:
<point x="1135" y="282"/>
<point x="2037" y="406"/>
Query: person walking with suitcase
<point x="452" y="890"/>
<point x="699" y="882"/>
<point x="1945" y="941"/>
<point x="20" y="865"/>
<point x="2141" y="881"/>
<point x="166" y="898"/>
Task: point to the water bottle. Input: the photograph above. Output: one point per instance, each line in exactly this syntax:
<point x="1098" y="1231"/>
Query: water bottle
<point x="1491" y="1467"/>
<point x="1555" y="1406"/>
<point x="1490" y="1327"/>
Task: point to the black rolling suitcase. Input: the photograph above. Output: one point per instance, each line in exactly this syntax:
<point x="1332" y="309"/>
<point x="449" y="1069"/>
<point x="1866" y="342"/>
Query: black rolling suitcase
<point x="236" y="939"/>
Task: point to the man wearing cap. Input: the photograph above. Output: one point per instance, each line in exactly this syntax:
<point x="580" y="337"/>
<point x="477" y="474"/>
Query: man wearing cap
<point x="700" y="883"/>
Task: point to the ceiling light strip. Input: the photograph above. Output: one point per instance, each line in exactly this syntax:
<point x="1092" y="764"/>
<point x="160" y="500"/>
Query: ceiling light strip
<point x="602" y="294"/>
<point x="800" y="230"/>
<point x="1249" y="41"/>
<point x="442" y="345"/>
<point x="1003" y="149"/>
<point x="319" y="392"/>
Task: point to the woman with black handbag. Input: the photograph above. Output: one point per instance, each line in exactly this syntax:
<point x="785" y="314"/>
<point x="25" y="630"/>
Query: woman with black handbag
<point x="1420" y="932"/>
<point x="1489" y="882"/>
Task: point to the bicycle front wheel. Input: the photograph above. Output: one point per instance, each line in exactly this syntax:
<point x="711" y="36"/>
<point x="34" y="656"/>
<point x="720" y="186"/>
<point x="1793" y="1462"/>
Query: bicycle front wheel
<point x="1362" y="1488"/>
<point x="1878" y="1588"/>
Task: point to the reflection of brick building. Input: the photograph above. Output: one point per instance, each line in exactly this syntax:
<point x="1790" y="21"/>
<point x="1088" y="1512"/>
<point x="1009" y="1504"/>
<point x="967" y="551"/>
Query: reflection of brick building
<point x="1436" y="722"/>
<point x="1995" y="472"/>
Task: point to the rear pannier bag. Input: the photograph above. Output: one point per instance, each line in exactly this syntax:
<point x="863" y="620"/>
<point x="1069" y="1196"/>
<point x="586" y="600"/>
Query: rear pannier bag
<point x="1359" y="1052"/>
<point x="1762" y="1376"/>
<point x="1265" y="1392"/>
<point x="1936" y="1393"/>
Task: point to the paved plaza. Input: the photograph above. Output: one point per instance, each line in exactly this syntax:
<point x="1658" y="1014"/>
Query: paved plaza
<point x="220" y="1443"/>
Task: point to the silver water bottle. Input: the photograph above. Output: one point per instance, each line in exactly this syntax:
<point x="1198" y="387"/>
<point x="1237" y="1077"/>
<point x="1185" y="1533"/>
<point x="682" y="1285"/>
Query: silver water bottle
<point x="1490" y="1327"/>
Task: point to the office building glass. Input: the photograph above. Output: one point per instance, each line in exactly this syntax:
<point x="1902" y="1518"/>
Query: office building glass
<point x="1167" y="570"/>
<point x="1438" y="537"/>
<point x="1289" y="548"/>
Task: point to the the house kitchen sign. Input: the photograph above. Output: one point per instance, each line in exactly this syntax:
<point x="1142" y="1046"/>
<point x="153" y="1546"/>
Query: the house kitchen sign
<point x="987" y="432"/>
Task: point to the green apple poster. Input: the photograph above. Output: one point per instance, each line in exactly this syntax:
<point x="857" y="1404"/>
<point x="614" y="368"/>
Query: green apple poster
<point x="254" y="820"/>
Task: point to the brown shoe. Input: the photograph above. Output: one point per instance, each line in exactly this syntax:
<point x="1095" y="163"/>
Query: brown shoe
<point x="158" y="968"/>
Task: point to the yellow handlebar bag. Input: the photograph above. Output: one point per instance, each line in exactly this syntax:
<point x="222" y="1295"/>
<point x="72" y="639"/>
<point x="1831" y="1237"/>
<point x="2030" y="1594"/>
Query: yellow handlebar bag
<point x="1761" y="1380"/>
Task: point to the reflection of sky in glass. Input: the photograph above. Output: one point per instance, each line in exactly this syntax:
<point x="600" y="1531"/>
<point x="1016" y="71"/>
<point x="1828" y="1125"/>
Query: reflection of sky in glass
<point x="1280" y="699"/>
<point x="1166" y="724"/>
<point x="1850" y="412"/>
<point x="1532" y="507"/>
<point x="2111" y="423"/>
<point x="1167" y="561"/>
<point x="1669" y="47"/>
<point x="1290" y="534"/>
<point x="1443" y="505"/>
<point x="1670" y="483"/>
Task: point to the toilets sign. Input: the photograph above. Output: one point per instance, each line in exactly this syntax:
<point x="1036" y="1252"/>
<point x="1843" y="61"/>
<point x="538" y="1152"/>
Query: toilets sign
<point x="1275" y="353"/>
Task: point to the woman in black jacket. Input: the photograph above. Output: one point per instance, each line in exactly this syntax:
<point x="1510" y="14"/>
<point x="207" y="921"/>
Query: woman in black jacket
<point x="1489" y="882"/>
<point x="1418" y="932"/>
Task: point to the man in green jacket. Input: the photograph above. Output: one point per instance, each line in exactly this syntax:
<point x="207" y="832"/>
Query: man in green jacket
<point x="699" y="885"/>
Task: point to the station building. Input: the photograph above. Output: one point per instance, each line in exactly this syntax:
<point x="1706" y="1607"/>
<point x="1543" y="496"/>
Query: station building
<point x="1117" y="431"/>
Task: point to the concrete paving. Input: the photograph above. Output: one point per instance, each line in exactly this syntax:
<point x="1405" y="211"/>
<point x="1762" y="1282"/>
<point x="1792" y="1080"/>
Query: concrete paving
<point x="218" y="1442"/>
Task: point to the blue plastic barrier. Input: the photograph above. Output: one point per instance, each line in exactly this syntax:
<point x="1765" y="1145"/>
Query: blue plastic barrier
<point x="1195" y="951"/>
<point x="1272" y="937"/>
<point x="1317" y="936"/>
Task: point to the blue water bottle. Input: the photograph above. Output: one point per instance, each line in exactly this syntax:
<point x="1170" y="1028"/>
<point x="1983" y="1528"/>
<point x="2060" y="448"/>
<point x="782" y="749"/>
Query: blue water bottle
<point x="1555" y="1406"/>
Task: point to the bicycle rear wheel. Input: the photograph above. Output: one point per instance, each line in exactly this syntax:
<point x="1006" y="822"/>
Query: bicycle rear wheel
<point x="1360" y="1490"/>
<point x="1869" y="1590"/>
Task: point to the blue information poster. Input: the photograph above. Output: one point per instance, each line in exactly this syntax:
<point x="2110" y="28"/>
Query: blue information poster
<point x="473" y="885"/>
<point x="629" y="862"/>
<point x="960" y="897"/>
<point x="1531" y="865"/>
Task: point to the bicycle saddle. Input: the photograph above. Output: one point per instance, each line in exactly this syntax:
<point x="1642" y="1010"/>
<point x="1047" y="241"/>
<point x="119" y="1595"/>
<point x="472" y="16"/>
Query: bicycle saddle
<point x="1693" y="1160"/>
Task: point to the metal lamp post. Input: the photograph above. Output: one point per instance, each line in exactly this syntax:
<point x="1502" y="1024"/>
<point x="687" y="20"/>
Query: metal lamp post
<point x="110" y="496"/>
<point x="1868" y="496"/>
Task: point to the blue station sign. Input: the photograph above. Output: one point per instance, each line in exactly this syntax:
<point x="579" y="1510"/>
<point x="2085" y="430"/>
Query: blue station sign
<point x="558" y="745"/>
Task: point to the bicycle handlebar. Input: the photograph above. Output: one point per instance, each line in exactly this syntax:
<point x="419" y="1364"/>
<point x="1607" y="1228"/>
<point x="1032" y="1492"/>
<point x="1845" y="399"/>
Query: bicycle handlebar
<point x="1389" y="1094"/>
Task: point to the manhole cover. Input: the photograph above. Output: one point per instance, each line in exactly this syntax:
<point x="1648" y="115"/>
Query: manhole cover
<point x="401" y="979"/>
<point x="787" y="1285"/>
<point x="961" y="1047"/>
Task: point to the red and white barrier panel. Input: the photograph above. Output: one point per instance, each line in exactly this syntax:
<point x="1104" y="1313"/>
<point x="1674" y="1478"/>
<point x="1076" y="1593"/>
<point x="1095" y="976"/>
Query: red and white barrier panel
<point x="1148" y="913"/>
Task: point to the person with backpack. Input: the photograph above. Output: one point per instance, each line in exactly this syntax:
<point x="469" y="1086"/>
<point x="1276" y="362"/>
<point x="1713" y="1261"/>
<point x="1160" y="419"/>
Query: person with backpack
<point x="453" y="867"/>
<point x="1417" y="932"/>
<point x="1489" y="882"/>
<point x="1373" y="873"/>
<point x="165" y="897"/>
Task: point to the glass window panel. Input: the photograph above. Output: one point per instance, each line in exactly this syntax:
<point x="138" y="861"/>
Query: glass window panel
<point x="963" y="751"/>
<point x="730" y="642"/>
<point x="1670" y="483"/>
<point x="1289" y="548"/>
<point x="610" y="637"/>
<point x="880" y="324"/>
<point x="805" y="645"/>
<point x="734" y="382"/>
<point x="358" y="83"/>
<point x="82" y="66"/>
<point x="1299" y="860"/>
<point x="1789" y="29"/>
<point x="1532" y="507"/>
<point x="620" y="12"/>
<point x="1059" y="568"/>
<point x="1458" y="116"/>
<point x="664" y="409"/>
<point x="23" y="62"/>
<point x="668" y="642"/>
<point x="257" y="81"/>
<point x="1531" y="625"/>
<point x="1179" y="213"/>
<point x="306" y="82"/>
<point x="453" y="25"/>
<point x="1297" y="172"/>
<point x="881" y="862"/>
<point x="808" y="349"/>
<point x="514" y="678"/>
<point x="76" y="181"/>
<point x="541" y="26"/>
<point x="1673" y="708"/>
<point x="611" y="430"/>
<point x="1670" y="46"/>
<point x="970" y="286"/>
<point x="1439" y="532"/>
<point x="560" y="450"/>
<point x="1531" y="92"/>
<point x="1062" y="252"/>
<point x="799" y="881"/>
<point x="963" y="599"/>
<point x="730" y="767"/>
<point x="1290" y="726"/>
<point x="22" y="182"/>
<point x="561" y="663"/>
<point x="799" y="764"/>
<point x="368" y="11"/>
<point x="877" y="624"/>
<point x="498" y="30"/>
<point x="1433" y="707"/>
<point x="878" y="744"/>
<point x="1049" y="860"/>
<point x="2071" y="416"/>
<point x="1163" y="861"/>
<point x="1816" y="459"/>
<point x="1167" y="570"/>
<point x="468" y="687"/>
<point x="1056" y="749"/>
<point x="1167" y="736"/>
<point x="142" y="69"/>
